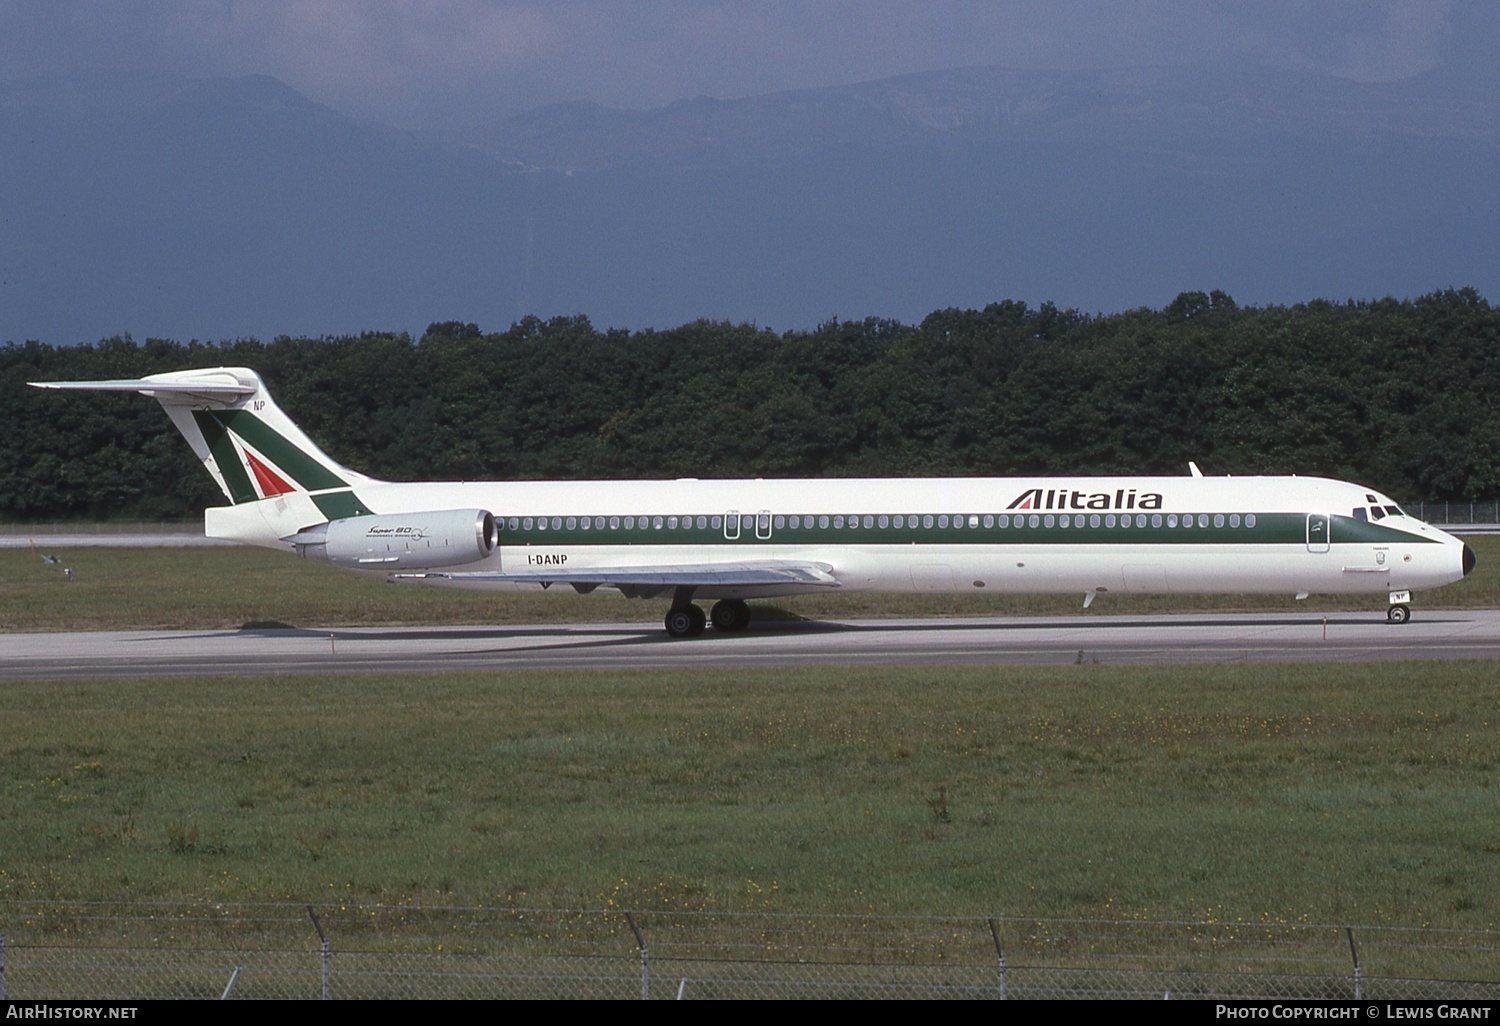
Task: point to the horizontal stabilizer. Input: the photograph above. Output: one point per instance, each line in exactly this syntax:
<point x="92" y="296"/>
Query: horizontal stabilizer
<point x="168" y="387"/>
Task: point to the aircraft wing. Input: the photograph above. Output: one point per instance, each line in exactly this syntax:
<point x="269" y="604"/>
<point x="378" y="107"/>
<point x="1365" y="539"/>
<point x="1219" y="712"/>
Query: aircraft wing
<point x="646" y="581"/>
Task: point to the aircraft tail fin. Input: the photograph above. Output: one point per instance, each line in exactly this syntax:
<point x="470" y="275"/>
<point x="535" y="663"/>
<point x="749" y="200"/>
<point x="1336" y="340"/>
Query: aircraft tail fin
<point x="253" y="450"/>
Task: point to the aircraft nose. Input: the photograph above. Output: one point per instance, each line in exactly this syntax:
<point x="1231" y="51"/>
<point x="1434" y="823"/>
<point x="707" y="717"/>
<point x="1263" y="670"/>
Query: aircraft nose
<point x="1468" y="560"/>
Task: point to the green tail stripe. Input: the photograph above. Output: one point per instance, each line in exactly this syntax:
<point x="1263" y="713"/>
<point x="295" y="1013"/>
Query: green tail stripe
<point x="339" y="505"/>
<point x="221" y="447"/>
<point x="305" y="470"/>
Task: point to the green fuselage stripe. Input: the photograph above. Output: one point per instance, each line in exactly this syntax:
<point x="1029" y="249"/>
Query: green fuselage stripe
<point x="340" y="505"/>
<point x="1269" y="529"/>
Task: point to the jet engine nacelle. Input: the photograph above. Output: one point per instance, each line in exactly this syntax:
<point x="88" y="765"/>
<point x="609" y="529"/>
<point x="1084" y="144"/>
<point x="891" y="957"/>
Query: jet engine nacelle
<point x="400" y="541"/>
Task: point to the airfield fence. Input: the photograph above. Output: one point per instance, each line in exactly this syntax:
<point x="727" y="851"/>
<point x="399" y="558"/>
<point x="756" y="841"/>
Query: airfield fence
<point x="1467" y="513"/>
<point x="135" y="951"/>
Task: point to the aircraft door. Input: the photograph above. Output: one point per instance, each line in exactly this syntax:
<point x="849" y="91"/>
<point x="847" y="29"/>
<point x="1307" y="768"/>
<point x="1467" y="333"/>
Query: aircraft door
<point x="1317" y="532"/>
<point x="763" y="525"/>
<point x="732" y="525"/>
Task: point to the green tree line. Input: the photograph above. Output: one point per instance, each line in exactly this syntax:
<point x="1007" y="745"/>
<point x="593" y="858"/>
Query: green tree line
<point x="1401" y="395"/>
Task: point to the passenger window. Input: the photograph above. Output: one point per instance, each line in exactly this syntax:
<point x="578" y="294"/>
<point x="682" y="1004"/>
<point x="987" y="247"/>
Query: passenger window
<point x="927" y="521"/>
<point x="867" y="521"/>
<point x="1171" y="519"/>
<point x="1094" y="520"/>
<point x="779" y="522"/>
<point x="1234" y="520"/>
<point x="1218" y="520"/>
<point x="884" y="521"/>
<point x="823" y="521"/>
<point x="1249" y="519"/>
<point x="656" y="522"/>
<point x="1202" y="519"/>
<point x="701" y="522"/>
<point x="527" y="524"/>
<point x="572" y="523"/>
<point x="1033" y="521"/>
<point x="1003" y="520"/>
<point x="1156" y="520"/>
<point x="515" y="523"/>
<point x="1065" y="520"/>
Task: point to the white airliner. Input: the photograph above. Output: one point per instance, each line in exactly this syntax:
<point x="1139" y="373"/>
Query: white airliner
<point x="737" y="540"/>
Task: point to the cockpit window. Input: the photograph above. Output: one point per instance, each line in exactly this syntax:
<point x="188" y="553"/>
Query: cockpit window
<point x="1360" y="514"/>
<point x="1395" y="511"/>
<point x="1377" y="512"/>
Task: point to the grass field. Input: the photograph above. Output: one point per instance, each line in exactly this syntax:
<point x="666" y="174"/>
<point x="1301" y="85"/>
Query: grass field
<point x="1332" y="793"/>
<point x="119" y="589"/>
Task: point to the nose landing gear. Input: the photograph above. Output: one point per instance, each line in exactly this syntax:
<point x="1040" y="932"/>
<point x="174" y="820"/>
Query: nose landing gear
<point x="1399" y="612"/>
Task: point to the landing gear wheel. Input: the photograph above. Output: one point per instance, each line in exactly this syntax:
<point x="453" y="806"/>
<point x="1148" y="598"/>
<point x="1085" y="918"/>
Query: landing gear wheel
<point x="685" y="622"/>
<point x="1398" y="614"/>
<point x="731" y="615"/>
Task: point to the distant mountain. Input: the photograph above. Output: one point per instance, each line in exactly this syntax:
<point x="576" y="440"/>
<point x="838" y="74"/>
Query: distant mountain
<point x="167" y="206"/>
<point x="998" y="105"/>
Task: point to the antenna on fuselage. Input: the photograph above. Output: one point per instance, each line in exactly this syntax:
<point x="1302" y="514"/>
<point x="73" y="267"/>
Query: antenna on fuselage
<point x="1193" y="469"/>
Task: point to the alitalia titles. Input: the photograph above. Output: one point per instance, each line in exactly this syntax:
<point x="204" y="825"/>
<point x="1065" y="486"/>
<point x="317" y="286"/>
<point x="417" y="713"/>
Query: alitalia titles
<point x="1062" y="498"/>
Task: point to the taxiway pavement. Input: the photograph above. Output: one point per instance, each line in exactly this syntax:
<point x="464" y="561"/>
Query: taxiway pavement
<point x="1189" y="638"/>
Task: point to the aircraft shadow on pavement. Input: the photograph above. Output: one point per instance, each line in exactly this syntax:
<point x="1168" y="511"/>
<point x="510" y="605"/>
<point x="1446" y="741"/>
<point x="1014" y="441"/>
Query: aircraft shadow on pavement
<point x="650" y="633"/>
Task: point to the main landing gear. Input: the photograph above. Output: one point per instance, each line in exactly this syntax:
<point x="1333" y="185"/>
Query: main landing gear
<point x="730" y="615"/>
<point x="685" y="620"/>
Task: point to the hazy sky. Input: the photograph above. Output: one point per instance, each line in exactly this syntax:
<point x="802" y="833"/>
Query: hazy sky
<point x="469" y="62"/>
